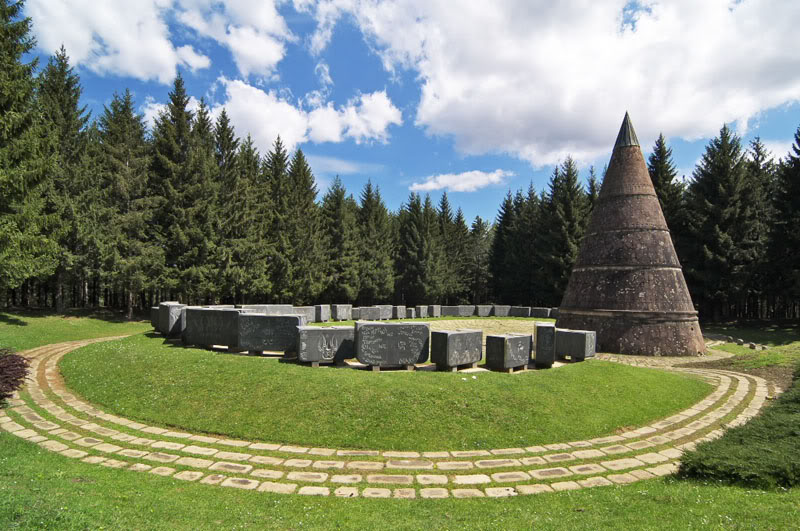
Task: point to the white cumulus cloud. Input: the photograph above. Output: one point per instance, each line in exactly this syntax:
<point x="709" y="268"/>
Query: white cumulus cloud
<point x="468" y="181"/>
<point x="540" y="79"/>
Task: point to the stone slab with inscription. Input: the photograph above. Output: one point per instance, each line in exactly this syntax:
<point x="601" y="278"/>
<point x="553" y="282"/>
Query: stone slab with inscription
<point x="451" y="348"/>
<point x="325" y="344"/>
<point x="392" y="344"/>
<point x="508" y="351"/>
<point x="273" y="333"/>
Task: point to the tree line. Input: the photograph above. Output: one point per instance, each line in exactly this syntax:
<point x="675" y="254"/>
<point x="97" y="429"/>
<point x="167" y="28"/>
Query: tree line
<point x="102" y="212"/>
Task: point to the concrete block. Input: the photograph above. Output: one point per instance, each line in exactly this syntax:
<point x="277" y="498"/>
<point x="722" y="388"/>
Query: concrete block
<point x="212" y="326"/>
<point x="355" y="314"/>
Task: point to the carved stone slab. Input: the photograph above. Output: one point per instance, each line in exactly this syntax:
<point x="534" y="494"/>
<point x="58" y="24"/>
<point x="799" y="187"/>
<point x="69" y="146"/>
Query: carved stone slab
<point x="268" y="309"/>
<point x="322" y="313"/>
<point x="325" y="344"/>
<point x="392" y="344"/>
<point x="434" y="310"/>
<point x="452" y="348"/>
<point x="422" y="312"/>
<point x="398" y="312"/>
<point x="212" y="326"/>
<point x="411" y="313"/>
<point x="449" y="311"/>
<point x="169" y="318"/>
<point x="508" y="351"/>
<point x="355" y="314"/>
<point x="501" y="310"/>
<point x="370" y="313"/>
<point x="308" y="311"/>
<point x="274" y="333"/>
<point x="386" y="311"/>
<point x="483" y="310"/>
<point x="545" y="351"/>
<point x="342" y="312"/>
<point x="577" y="344"/>
<point x="543" y="313"/>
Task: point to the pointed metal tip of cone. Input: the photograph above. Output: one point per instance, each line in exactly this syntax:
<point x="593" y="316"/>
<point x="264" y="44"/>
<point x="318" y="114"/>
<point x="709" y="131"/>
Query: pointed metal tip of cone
<point x="626" y="136"/>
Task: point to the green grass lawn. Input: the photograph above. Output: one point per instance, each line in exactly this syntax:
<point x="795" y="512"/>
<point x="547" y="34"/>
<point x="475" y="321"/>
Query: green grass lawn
<point x="145" y="378"/>
<point x="22" y="330"/>
<point x="42" y="490"/>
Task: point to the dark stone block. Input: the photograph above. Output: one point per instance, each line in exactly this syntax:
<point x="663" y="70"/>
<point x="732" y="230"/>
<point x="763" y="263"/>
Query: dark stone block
<point x="434" y="310"/>
<point x="508" y="351"/>
<point x="370" y="313"/>
<point x="501" y="310"/>
<point x="268" y="309"/>
<point x="325" y="343"/>
<point x="422" y="312"/>
<point x="466" y="310"/>
<point x="386" y="311"/>
<point x="483" y="310"/>
<point x="169" y="318"/>
<point x="411" y="313"/>
<point x="308" y="311"/>
<point x="206" y="327"/>
<point x="355" y="314"/>
<point x="154" y="317"/>
<point x="542" y="313"/>
<point x="342" y="312"/>
<point x="449" y="311"/>
<point x="274" y="333"/>
<point x="577" y="344"/>
<point x="545" y="348"/>
<point x="322" y="313"/>
<point x="554" y="313"/>
<point x="456" y="347"/>
<point x="398" y="312"/>
<point x="520" y="311"/>
<point x="392" y="344"/>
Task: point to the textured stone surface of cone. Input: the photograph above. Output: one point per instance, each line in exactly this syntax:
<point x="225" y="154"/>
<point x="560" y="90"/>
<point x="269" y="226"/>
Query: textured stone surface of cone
<point x="627" y="283"/>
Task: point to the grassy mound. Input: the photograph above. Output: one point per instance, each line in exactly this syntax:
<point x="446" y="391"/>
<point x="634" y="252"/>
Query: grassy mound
<point x="764" y="453"/>
<point x="260" y="398"/>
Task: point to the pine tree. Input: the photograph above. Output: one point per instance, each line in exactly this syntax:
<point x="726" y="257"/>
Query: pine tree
<point x="255" y="280"/>
<point x="276" y="175"/>
<point x="460" y="257"/>
<point x="341" y="243"/>
<point x="376" y="246"/>
<point x="523" y="234"/>
<point x="592" y="188"/>
<point x="723" y="240"/>
<point x="502" y="282"/>
<point x="670" y="193"/>
<point x="479" y="275"/>
<point x="433" y="257"/>
<point x="410" y="262"/>
<point x="785" y="238"/>
<point x="25" y="247"/>
<point x="445" y="232"/>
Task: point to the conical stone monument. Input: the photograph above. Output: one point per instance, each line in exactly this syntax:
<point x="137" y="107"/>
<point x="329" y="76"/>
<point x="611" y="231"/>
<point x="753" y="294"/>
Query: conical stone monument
<point x="627" y="283"/>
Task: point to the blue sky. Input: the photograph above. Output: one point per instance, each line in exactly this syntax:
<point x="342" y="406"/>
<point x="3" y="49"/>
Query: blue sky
<point x="471" y="97"/>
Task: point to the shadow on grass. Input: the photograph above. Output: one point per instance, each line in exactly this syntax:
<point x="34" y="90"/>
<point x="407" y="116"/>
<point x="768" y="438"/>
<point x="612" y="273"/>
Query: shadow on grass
<point x="764" y="332"/>
<point x="9" y="319"/>
<point x="13" y="316"/>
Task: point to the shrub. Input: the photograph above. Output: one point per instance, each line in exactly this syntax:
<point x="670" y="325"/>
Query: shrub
<point x="764" y="453"/>
<point x="13" y="369"/>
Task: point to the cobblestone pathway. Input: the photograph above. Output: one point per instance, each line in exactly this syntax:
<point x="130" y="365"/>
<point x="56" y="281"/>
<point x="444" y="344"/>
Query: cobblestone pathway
<point x="47" y="414"/>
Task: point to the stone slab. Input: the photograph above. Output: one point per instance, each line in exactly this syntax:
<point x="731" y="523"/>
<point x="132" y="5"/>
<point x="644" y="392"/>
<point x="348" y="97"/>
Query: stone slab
<point x="545" y="350"/>
<point x="268" y="309"/>
<point x="308" y="311"/>
<point x="385" y="311"/>
<point x="154" y="318"/>
<point x="577" y="344"/>
<point x="392" y="344"/>
<point x="369" y="313"/>
<point x="501" y="310"/>
<point x="451" y="348"/>
<point x="422" y="312"/>
<point x="541" y="313"/>
<point x="341" y="312"/>
<point x="483" y="310"/>
<point x="211" y="326"/>
<point x="325" y="344"/>
<point x="322" y="313"/>
<point x="507" y="351"/>
<point x="276" y="333"/>
<point x="398" y="312"/>
<point x="170" y="323"/>
<point x="434" y="310"/>
<point x="411" y="313"/>
<point x="520" y="311"/>
<point x="355" y="314"/>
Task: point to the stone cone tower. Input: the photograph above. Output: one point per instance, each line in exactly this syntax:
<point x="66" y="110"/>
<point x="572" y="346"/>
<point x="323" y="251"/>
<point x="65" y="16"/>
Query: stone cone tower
<point x="627" y="283"/>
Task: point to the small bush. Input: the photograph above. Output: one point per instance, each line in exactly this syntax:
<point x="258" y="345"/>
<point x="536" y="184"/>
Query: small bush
<point x="13" y="369"/>
<point x="764" y="453"/>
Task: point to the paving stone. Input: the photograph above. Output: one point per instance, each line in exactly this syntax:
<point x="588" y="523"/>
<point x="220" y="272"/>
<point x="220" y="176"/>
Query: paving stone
<point x="162" y="471"/>
<point x="188" y="475"/>
<point x="346" y="478"/>
<point x="530" y="461"/>
<point x="497" y="463"/>
<point x="434" y="493"/>
<point x="473" y="479"/>
<point x="264" y="446"/>
<point x="580" y="444"/>
<point x="346" y="492"/>
<point x="535" y="449"/>
<point x="314" y="491"/>
<point x="436" y="455"/>
<point x="310" y="477"/>
<point x="161" y="458"/>
<point x="354" y="453"/>
<point x="278" y="488"/>
<point x="372" y="492"/>
<point x="153" y="430"/>
<point x="236" y="468"/>
<point x="506" y="477"/>
<point x="266" y="460"/>
<point x="401" y="455"/>
<point x="588" y="454"/>
<point x="507" y="451"/>
<point x="321" y="451"/>
<point x="36" y="438"/>
<point x="136" y="426"/>
<point x="136" y="454"/>
<point x="68" y="435"/>
<point x="405" y="494"/>
<point x="88" y="441"/>
<point x="266" y="473"/>
<point x="203" y="439"/>
<point x="606" y="440"/>
<point x="616" y="449"/>
<point x="241" y="483"/>
<point x="640" y="445"/>
<point x="390" y="478"/>
<point x="537" y="488"/>
<point x="114" y="463"/>
<point x="177" y="434"/>
<point x="140" y="467"/>
<point x="652" y="458"/>
<point x="622" y="464"/>
<point x="232" y="456"/>
<point x="662" y="470"/>
<point x="298" y="463"/>
<point x="94" y="459"/>
<point x="470" y="453"/>
<point x="54" y="446"/>
<point x="45" y="425"/>
<point x="324" y="465"/>
<point x="123" y="437"/>
<point x="294" y="449"/>
<point x="555" y="458"/>
<point x="410" y="464"/>
<point x="590" y="468"/>
<point x="167" y="445"/>
<point x="546" y="473"/>
<point x="141" y="441"/>
<point x="234" y="442"/>
<point x="622" y="479"/>
<point x="107" y="448"/>
<point x="467" y="493"/>
<point x="454" y="465"/>
<point x="558" y="446"/>
<point x="74" y="454"/>
<point x="641" y="474"/>
<point x="365" y="465"/>
<point x="194" y="462"/>
<point x="430" y="479"/>
<point x="597" y="481"/>
<point x="565" y="485"/>
<point x="672" y="453"/>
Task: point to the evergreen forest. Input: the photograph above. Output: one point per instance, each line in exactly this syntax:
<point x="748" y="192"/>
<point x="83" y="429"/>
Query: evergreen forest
<point x="102" y="211"/>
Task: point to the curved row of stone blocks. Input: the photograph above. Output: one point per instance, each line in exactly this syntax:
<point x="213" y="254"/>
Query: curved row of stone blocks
<point x="57" y="420"/>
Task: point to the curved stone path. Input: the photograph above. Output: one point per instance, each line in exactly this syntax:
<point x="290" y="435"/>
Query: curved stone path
<point x="46" y="413"/>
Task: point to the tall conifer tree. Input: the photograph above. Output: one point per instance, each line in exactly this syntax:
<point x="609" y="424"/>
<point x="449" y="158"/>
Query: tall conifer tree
<point x="376" y="246"/>
<point x="341" y="243"/>
<point x="785" y="238"/>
